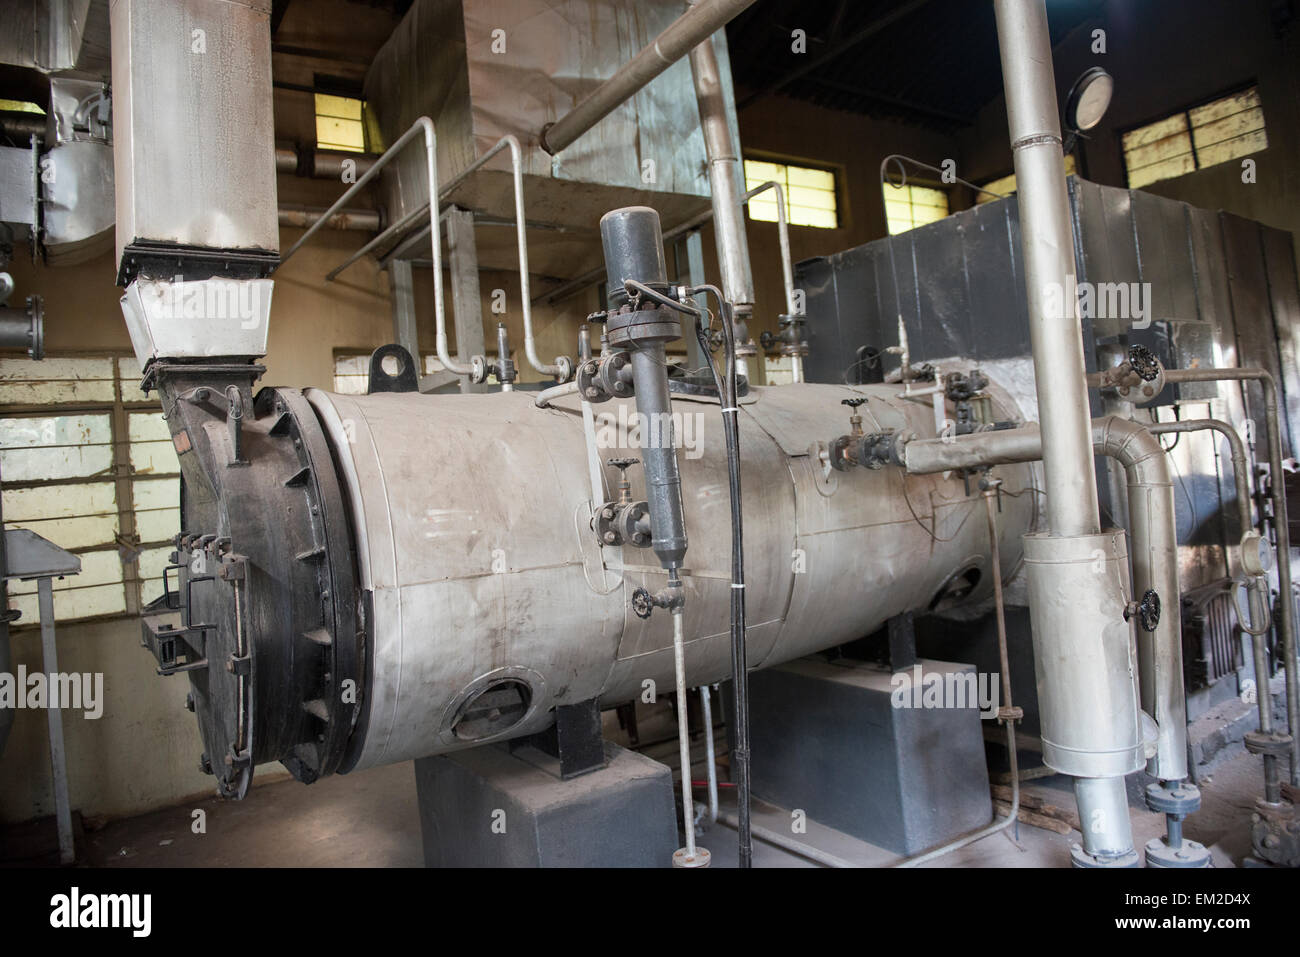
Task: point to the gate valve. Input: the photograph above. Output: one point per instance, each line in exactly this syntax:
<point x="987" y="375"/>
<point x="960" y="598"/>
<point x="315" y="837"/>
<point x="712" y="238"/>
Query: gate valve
<point x="1147" y="610"/>
<point x="624" y="486"/>
<point x="855" y="420"/>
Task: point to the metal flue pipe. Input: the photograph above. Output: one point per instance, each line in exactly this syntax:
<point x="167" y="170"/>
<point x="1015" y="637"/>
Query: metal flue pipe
<point x="726" y="184"/>
<point x="1047" y="242"/>
<point x="1074" y="524"/>
<point x="686" y="32"/>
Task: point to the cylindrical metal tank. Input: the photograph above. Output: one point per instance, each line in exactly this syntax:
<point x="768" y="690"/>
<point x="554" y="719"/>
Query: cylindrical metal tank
<point x="490" y="600"/>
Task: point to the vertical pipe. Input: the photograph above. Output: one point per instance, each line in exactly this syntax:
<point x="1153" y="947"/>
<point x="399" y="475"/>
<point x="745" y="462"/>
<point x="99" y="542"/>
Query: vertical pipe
<point x="1055" y="330"/>
<point x="58" y="752"/>
<point x="706" y="706"/>
<point x="726" y="184"/>
<point x="683" y="737"/>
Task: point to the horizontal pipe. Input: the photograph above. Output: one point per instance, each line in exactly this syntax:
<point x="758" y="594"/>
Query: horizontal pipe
<point x="322" y="164"/>
<point x="362" y="220"/>
<point x="689" y="30"/>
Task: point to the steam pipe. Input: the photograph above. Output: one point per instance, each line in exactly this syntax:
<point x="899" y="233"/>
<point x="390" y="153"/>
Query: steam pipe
<point x="685" y="33"/>
<point x="297" y="217"/>
<point x="1277" y="495"/>
<point x="725" y="182"/>
<point x="424" y="126"/>
<point x="783" y="231"/>
<point x="563" y="366"/>
<point x="1155" y="558"/>
<point x="726" y="185"/>
<point x="1258" y="583"/>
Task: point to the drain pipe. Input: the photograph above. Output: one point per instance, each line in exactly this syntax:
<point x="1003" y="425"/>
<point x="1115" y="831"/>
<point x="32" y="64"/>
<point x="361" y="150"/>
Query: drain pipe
<point x="726" y="186"/>
<point x="1081" y="658"/>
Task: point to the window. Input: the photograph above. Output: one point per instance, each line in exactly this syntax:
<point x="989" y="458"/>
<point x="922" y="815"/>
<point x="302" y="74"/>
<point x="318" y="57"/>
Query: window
<point x="907" y="207"/>
<point x="338" y="123"/>
<point x="809" y="194"/>
<point x="1006" y="185"/>
<point x="352" y="372"/>
<point x="1219" y="131"/>
<point x="86" y="461"/>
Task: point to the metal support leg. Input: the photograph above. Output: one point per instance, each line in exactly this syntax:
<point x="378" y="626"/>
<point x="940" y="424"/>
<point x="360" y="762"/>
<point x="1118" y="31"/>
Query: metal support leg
<point x="402" y="284"/>
<point x="58" y="754"/>
<point x="466" y="307"/>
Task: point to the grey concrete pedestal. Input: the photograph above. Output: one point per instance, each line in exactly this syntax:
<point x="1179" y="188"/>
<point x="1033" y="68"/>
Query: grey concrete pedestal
<point x="829" y="739"/>
<point x="489" y="807"/>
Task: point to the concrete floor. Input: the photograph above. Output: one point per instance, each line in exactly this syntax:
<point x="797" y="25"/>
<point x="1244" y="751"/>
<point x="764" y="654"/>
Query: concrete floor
<point x="370" y="819"/>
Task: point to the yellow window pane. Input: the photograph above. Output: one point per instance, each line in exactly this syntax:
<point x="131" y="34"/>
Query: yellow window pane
<point x="1162" y="129"/>
<point x="343" y="107"/>
<point x="821" y="218"/>
<point x="336" y="134"/>
<point x="1233" y="148"/>
<point x="1237" y="103"/>
<point x="1166" y="169"/>
<point x="1161" y="151"/>
<point x="150" y="566"/>
<point x="811" y="197"/>
<point x="20" y="106"/>
<point x="763" y="208"/>
<point x="816" y="178"/>
<point x="71" y="516"/>
<point x="1227" y="128"/>
<point x="26" y="382"/>
<point x="758" y="172"/>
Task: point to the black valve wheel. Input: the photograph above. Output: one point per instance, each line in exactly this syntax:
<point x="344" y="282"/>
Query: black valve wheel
<point x="1147" y="610"/>
<point x="642" y="603"/>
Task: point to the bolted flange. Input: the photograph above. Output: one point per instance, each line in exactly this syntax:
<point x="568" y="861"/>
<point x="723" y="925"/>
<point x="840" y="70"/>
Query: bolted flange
<point x="1082" y="859"/>
<point x="1187" y="854"/>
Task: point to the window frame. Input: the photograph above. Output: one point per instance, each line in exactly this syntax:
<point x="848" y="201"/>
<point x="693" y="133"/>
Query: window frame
<point x="122" y="474"/>
<point x="837" y="177"/>
<point x="1185" y="112"/>
<point x="938" y="187"/>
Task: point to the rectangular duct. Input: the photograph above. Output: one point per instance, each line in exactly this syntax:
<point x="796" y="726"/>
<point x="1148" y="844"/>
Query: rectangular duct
<point x="482" y="70"/>
<point x="195" y="138"/>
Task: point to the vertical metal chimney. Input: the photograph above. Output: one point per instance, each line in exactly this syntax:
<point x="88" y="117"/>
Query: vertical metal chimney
<point x="1084" y="649"/>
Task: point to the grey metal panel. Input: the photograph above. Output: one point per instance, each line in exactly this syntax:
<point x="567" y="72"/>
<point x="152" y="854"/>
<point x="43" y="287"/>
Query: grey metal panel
<point x="943" y="299"/>
<point x="194" y="133"/>
<point x="1214" y="300"/>
<point x="441" y="62"/>
<point x="78" y="200"/>
<point x="1252" y="310"/>
<point x="17" y="186"/>
<point x="1279" y="264"/>
<point x="995" y="280"/>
